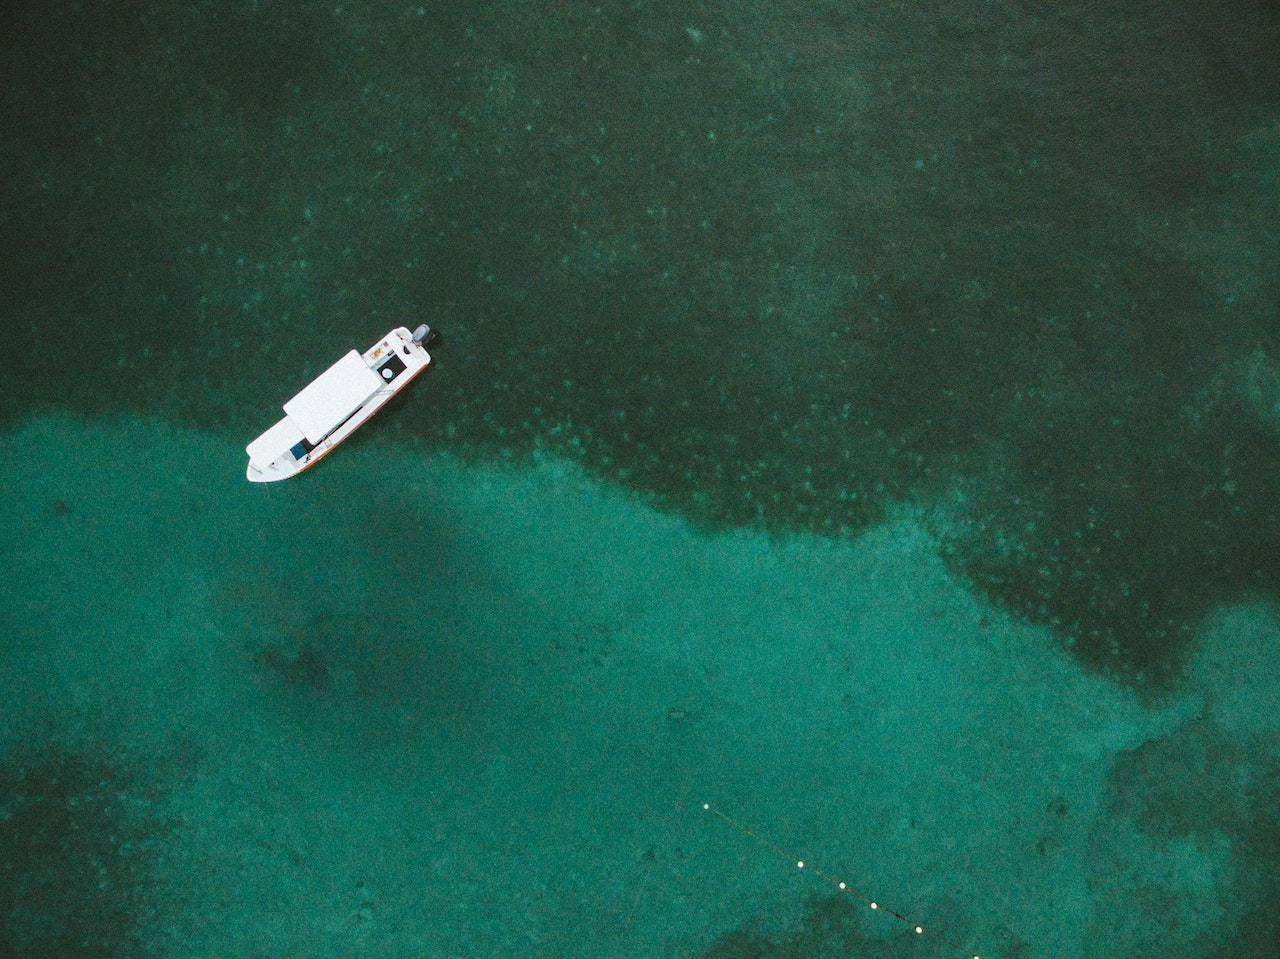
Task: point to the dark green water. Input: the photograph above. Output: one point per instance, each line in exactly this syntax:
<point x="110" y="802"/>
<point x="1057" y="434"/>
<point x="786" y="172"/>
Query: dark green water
<point x="1005" y="272"/>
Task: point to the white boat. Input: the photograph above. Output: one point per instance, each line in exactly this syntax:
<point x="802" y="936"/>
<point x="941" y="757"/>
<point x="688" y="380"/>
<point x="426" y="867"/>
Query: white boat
<point x="333" y="405"/>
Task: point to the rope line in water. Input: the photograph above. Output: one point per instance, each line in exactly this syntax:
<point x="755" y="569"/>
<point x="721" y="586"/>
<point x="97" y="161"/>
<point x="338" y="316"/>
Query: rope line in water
<point x="839" y="884"/>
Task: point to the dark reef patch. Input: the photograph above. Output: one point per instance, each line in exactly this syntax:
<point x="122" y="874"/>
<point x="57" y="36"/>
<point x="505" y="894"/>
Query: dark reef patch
<point x="82" y="828"/>
<point x="1200" y="782"/>
<point x="829" y="928"/>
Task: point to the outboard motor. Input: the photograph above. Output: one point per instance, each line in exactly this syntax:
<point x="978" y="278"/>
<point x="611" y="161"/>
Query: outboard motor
<point x="423" y="334"/>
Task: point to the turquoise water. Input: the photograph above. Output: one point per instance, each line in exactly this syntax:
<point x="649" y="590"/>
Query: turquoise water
<point x="853" y="439"/>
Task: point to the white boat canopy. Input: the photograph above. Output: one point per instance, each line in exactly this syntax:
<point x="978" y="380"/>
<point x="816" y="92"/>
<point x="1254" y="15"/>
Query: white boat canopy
<point x="333" y="396"/>
<point x="274" y="443"/>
